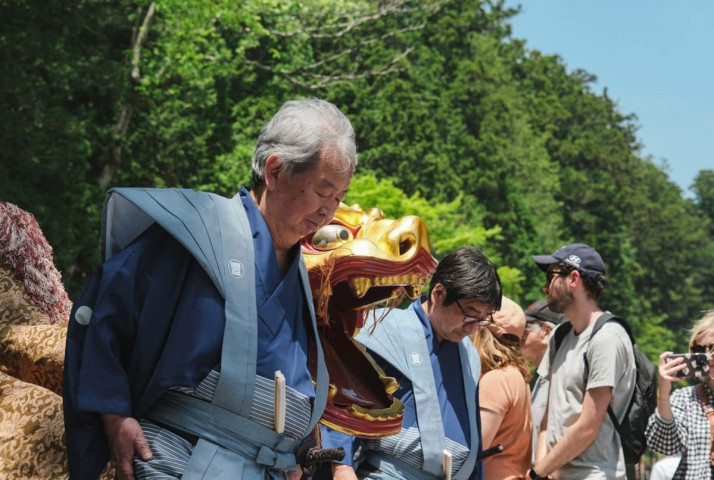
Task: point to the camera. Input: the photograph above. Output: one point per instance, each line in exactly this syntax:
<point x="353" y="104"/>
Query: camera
<point x="697" y="364"/>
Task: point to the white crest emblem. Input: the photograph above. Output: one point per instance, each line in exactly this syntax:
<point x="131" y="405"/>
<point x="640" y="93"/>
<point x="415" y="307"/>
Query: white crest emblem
<point x="574" y="260"/>
<point x="236" y="268"/>
<point x="415" y="358"/>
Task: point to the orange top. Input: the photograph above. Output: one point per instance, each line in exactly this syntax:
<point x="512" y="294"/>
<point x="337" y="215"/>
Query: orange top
<point x="507" y="394"/>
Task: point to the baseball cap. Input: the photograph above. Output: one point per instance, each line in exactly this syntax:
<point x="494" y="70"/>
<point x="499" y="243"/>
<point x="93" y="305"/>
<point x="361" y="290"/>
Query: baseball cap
<point x="540" y="311"/>
<point x="581" y="257"/>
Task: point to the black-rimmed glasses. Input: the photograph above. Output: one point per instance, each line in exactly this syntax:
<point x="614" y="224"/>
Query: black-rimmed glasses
<point x="469" y="320"/>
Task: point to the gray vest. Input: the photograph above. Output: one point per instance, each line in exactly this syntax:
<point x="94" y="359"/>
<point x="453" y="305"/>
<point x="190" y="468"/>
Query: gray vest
<point x="399" y="339"/>
<point x="216" y="231"/>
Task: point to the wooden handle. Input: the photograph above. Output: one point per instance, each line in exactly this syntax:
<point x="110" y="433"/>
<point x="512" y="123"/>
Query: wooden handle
<point x="447" y="464"/>
<point x="279" y="402"/>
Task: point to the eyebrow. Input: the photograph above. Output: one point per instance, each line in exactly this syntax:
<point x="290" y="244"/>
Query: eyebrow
<point x="327" y="183"/>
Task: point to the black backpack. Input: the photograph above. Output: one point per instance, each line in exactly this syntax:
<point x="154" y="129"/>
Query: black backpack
<point x="644" y="398"/>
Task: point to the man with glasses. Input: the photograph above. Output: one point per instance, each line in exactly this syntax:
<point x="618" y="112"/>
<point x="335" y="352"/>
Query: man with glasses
<point x="427" y="348"/>
<point x="577" y="438"/>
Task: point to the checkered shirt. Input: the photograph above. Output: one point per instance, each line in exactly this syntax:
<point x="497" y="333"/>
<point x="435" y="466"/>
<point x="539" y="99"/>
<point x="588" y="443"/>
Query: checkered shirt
<point x="688" y="432"/>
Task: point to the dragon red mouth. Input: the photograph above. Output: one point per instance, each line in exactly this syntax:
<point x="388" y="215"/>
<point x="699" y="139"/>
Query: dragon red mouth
<point x="357" y="262"/>
<point x="360" y="401"/>
<point x="359" y="283"/>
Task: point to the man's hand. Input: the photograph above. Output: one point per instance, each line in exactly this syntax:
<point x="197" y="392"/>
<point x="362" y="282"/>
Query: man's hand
<point x="126" y="438"/>
<point x="580" y="435"/>
<point x="343" y="472"/>
<point x="295" y="474"/>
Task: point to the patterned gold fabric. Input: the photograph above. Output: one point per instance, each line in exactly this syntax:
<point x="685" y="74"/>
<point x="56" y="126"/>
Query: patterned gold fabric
<point x="31" y="349"/>
<point x="34" y="354"/>
<point x="31" y="432"/>
<point x="32" y="443"/>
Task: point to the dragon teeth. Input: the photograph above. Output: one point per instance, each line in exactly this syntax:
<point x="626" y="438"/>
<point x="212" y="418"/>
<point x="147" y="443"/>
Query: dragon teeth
<point x="412" y="283"/>
<point x="413" y="291"/>
<point x="360" y="286"/>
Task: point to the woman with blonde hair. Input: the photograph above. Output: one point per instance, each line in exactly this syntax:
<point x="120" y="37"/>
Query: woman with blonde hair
<point x="680" y="424"/>
<point x="504" y="394"/>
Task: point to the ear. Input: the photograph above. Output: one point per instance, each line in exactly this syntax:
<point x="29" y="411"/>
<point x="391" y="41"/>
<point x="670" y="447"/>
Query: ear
<point x="273" y="169"/>
<point x="438" y="293"/>
<point x="574" y="279"/>
<point x="546" y="329"/>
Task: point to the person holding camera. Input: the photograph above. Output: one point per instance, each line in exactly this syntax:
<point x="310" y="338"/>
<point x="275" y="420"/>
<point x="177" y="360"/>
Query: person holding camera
<point x="684" y="421"/>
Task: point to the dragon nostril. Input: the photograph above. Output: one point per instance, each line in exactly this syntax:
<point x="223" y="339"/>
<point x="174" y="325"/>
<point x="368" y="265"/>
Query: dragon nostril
<point x="405" y="246"/>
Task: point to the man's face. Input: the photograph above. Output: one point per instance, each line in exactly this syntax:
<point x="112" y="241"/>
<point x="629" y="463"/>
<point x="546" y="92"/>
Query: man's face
<point x="535" y="342"/>
<point x="450" y="322"/>
<point x="556" y="288"/>
<point x="301" y="205"/>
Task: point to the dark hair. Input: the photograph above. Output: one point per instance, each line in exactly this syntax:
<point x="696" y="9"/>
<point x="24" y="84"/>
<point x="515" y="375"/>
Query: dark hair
<point x="468" y="274"/>
<point x="593" y="285"/>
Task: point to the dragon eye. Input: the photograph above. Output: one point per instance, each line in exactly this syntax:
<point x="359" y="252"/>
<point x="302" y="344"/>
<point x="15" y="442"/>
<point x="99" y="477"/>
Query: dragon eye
<point x="330" y="237"/>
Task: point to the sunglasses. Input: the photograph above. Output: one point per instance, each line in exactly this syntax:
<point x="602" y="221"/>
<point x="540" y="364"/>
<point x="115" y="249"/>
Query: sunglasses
<point x="702" y="348"/>
<point x="508" y="339"/>
<point x="550" y="275"/>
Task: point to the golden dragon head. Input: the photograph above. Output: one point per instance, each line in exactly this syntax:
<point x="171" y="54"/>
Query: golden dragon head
<point x="358" y="261"/>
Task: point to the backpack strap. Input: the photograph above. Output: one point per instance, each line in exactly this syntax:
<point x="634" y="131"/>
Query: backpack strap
<point x="602" y="320"/>
<point x="708" y="410"/>
<point x="559" y="334"/>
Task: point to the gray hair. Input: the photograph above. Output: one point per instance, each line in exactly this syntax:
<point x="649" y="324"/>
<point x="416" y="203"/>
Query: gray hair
<point x="298" y="133"/>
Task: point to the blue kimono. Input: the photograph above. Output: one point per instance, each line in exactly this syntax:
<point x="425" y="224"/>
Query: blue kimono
<point x="152" y="320"/>
<point x="438" y="386"/>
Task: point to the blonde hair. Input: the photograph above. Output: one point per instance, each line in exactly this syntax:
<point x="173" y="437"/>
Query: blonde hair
<point x="496" y="355"/>
<point x="701" y="328"/>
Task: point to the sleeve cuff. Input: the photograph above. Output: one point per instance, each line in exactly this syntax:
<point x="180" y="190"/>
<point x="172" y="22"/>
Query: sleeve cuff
<point x="663" y="420"/>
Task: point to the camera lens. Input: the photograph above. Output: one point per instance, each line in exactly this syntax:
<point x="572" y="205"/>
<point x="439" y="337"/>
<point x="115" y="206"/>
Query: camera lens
<point x="702" y="360"/>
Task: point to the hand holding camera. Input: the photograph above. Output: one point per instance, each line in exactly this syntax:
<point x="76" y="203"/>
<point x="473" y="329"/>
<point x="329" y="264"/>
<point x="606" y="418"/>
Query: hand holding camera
<point x="686" y="365"/>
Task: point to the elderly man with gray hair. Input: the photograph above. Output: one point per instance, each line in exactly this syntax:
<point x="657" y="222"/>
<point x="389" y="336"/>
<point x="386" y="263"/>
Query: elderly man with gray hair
<point x="202" y="310"/>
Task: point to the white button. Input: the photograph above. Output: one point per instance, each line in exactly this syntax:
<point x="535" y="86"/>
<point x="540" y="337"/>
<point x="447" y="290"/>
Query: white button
<point x="83" y="314"/>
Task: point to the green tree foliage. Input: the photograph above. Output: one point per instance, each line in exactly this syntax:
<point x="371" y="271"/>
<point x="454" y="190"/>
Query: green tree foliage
<point x="61" y="74"/>
<point x="446" y="222"/>
<point x="492" y="144"/>
<point x="702" y="273"/>
<point x="704" y="190"/>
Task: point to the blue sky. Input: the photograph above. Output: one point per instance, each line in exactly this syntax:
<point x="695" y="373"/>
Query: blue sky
<point x="656" y="59"/>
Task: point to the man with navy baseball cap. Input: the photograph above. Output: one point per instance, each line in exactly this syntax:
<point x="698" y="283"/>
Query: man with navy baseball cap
<point x="578" y="256"/>
<point x="577" y="439"/>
